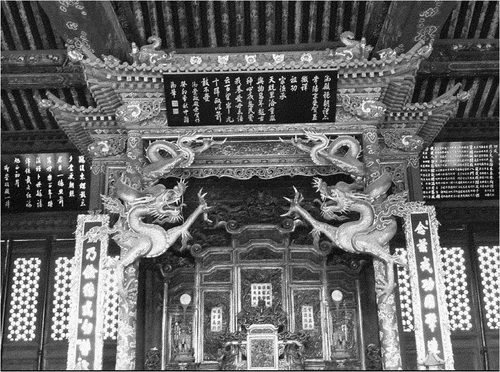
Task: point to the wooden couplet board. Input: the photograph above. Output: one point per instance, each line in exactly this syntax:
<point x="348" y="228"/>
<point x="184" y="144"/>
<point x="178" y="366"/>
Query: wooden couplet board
<point x="87" y="296"/>
<point x="432" y="328"/>
<point x="237" y="98"/>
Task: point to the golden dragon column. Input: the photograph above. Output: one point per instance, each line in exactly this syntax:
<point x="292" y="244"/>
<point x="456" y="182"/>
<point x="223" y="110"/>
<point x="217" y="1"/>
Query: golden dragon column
<point x="387" y="315"/>
<point x="127" y="312"/>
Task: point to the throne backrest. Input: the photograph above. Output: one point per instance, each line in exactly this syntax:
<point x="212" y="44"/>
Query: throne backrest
<point x="262" y="347"/>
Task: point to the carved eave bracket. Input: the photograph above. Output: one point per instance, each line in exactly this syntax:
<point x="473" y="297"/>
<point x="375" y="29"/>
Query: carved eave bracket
<point x="415" y="127"/>
<point x="80" y="123"/>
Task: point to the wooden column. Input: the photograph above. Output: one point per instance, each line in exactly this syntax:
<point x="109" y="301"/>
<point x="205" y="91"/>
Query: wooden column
<point x="387" y="315"/>
<point x="127" y="312"/>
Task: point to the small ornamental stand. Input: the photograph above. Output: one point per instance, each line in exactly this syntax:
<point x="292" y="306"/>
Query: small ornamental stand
<point x="184" y="352"/>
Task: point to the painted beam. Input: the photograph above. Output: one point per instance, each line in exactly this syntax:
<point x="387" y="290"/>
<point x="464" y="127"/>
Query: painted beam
<point x="42" y="80"/>
<point x="408" y="22"/>
<point x="90" y="24"/>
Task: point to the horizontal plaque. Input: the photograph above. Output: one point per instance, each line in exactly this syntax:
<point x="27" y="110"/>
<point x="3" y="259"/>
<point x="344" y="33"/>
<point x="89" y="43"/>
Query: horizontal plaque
<point x="250" y="98"/>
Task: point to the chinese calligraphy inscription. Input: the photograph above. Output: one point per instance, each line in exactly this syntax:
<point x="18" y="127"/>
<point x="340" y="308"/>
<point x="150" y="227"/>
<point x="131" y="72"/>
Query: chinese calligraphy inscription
<point x="432" y="332"/>
<point x="86" y="324"/>
<point x="251" y="98"/>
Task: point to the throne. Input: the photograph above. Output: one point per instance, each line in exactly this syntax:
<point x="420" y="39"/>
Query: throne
<point x="262" y="342"/>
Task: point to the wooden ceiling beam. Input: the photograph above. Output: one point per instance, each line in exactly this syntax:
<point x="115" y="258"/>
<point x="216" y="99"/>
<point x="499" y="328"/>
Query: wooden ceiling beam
<point x="408" y="22"/>
<point x="101" y="28"/>
<point x="474" y="129"/>
<point x="459" y="68"/>
<point x="42" y="81"/>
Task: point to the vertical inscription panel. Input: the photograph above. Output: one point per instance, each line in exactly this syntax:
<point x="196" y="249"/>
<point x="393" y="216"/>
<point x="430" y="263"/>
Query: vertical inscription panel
<point x="87" y="301"/>
<point x="432" y="326"/>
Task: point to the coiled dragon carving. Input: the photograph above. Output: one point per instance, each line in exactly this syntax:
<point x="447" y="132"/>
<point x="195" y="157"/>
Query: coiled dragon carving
<point x="370" y="234"/>
<point x="138" y="238"/>
<point x="179" y="155"/>
<point x="329" y="152"/>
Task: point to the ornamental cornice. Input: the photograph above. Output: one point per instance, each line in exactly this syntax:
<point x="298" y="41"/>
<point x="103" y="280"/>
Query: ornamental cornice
<point x="256" y="130"/>
<point x="245" y="173"/>
<point x="151" y="63"/>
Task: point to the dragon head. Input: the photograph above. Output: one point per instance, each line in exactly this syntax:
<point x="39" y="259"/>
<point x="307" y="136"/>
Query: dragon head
<point x="334" y="199"/>
<point x="167" y="205"/>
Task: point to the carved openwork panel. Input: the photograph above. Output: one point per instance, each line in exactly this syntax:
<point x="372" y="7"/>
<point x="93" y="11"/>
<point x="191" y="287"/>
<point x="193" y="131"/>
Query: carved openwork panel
<point x="260" y="253"/>
<point x="271" y="277"/>
<point x="307" y="316"/>
<point x="216" y="310"/>
<point x="217" y="276"/>
<point x="262" y="346"/>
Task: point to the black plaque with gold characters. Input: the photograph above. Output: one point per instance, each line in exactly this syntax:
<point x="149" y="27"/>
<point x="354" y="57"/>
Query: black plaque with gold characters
<point x="45" y="182"/>
<point x="460" y="170"/>
<point x="250" y="98"/>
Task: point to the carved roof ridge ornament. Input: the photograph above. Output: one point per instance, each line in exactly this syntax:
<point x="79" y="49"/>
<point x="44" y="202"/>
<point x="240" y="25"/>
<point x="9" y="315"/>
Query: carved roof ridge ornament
<point x="354" y="55"/>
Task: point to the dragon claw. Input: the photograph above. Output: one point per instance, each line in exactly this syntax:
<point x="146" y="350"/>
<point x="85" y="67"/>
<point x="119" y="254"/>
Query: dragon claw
<point x="385" y="289"/>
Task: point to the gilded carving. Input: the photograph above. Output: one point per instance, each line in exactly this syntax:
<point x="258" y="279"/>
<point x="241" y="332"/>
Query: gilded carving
<point x="362" y="107"/>
<point x="245" y="173"/>
<point x="401" y="140"/>
<point x="370" y="234"/>
<point x="353" y="50"/>
<point x="108" y="147"/>
<point x="150" y="54"/>
<point x="329" y="152"/>
<point x="182" y="155"/>
<point x="138" y="111"/>
<point x="141" y="239"/>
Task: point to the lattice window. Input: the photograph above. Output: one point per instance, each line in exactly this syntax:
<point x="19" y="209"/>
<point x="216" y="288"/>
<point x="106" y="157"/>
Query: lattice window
<point x="307" y="317"/>
<point x="261" y="291"/>
<point x="404" y="288"/>
<point x="488" y="265"/>
<point x="457" y="293"/>
<point x="62" y="298"/>
<point x="216" y="319"/>
<point x="111" y="301"/>
<point x="24" y="299"/>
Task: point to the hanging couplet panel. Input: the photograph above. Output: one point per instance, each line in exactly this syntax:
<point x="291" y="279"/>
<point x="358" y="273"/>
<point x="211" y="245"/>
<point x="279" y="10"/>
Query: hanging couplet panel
<point x="432" y="329"/>
<point x="45" y="182"/>
<point x="250" y="98"/>
<point x="87" y="295"/>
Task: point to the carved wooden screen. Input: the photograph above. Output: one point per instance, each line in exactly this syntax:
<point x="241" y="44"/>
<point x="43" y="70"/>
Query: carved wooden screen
<point x="270" y="280"/>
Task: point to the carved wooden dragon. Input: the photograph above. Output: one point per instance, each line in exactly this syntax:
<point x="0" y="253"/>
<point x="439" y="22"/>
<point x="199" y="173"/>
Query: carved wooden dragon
<point x="182" y="154"/>
<point x="326" y="152"/>
<point x="370" y="234"/>
<point x="139" y="239"/>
